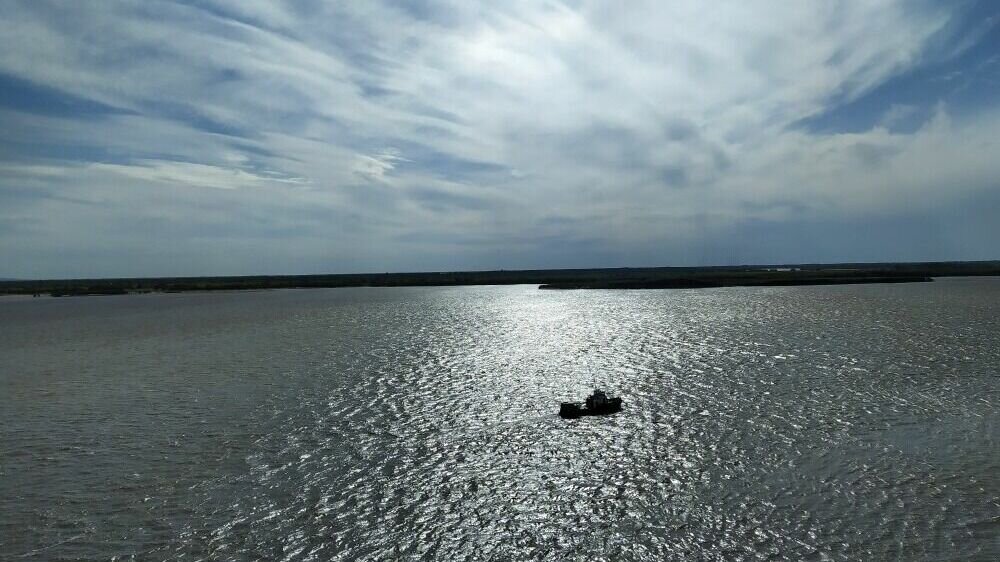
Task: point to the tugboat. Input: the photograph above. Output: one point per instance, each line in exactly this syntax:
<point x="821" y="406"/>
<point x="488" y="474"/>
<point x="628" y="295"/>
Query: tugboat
<point x="597" y="404"/>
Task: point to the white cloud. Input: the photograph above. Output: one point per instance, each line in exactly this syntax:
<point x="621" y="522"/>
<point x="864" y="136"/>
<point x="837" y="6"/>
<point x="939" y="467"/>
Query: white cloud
<point x="190" y="174"/>
<point x="376" y="166"/>
<point x="618" y="125"/>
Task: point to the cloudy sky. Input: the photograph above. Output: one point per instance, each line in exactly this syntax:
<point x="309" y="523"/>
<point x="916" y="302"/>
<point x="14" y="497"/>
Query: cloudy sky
<point x="149" y="138"/>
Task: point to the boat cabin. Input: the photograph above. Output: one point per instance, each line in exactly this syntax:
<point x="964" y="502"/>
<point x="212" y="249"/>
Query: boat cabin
<point x="597" y="399"/>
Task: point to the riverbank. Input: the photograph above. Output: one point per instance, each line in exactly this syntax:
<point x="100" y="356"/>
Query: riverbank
<point x="762" y="280"/>
<point x="618" y="278"/>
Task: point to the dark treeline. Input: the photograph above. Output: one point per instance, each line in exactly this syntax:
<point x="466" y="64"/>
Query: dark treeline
<point x="645" y="277"/>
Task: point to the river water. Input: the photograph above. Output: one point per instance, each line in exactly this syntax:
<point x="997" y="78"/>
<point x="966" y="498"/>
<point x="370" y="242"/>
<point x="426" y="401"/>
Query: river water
<point x="798" y="423"/>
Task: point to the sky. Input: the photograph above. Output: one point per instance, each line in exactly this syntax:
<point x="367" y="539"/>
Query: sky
<point x="236" y="137"/>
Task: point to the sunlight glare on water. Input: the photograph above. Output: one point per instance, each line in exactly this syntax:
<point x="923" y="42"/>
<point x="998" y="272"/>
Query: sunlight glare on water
<point x="805" y="423"/>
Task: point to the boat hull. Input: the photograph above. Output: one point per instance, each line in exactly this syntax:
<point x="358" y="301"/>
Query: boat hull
<point x="573" y="410"/>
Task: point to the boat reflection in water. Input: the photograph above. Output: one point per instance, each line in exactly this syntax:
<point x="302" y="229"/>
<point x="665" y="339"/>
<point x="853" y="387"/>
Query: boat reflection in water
<point x="597" y="404"/>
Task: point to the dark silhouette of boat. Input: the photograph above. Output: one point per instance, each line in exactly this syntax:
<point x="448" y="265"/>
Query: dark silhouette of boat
<point x="597" y="404"/>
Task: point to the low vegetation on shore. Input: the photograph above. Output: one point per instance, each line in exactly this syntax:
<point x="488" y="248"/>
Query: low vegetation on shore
<point x="620" y="278"/>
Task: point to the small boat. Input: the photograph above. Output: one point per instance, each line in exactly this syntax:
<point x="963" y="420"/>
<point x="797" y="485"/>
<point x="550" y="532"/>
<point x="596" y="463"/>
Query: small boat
<point x="597" y="404"/>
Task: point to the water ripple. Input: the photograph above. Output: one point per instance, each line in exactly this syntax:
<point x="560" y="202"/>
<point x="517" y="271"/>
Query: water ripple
<point x="814" y="423"/>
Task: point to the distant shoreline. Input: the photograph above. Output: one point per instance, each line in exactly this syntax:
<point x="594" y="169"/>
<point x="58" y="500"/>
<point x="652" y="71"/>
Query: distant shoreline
<point x="742" y="281"/>
<point x="620" y="278"/>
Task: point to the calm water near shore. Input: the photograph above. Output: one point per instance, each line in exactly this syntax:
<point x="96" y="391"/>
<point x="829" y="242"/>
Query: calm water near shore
<point x="799" y="423"/>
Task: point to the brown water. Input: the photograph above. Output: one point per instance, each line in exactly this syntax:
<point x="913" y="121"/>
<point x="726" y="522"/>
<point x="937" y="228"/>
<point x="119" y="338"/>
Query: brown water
<point x="801" y="423"/>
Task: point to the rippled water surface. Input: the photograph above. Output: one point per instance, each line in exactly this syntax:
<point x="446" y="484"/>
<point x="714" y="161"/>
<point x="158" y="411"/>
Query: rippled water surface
<point x="804" y="423"/>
